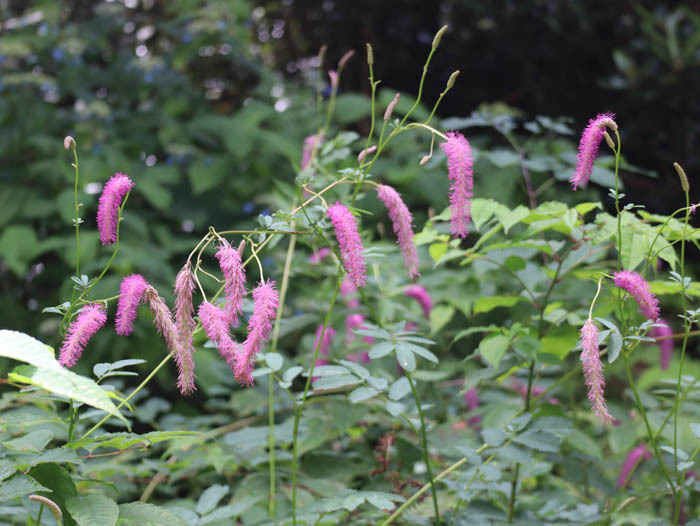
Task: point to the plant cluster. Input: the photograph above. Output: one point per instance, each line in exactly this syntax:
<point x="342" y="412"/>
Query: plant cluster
<point x="392" y="389"/>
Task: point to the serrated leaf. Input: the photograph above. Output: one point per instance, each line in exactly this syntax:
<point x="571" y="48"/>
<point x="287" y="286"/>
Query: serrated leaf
<point x="143" y="514"/>
<point x="488" y="303"/>
<point x="124" y="441"/>
<point x="439" y="317"/>
<point x="230" y="511"/>
<point x="399" y="388"/>
<point x="19" y="486"/>
<point x="361" y="394"/>
<point x="406" y="358"/>
<point x="539" y="440"/>
<point x="493" y="348"/>
<point x="335" y="382"/>
<point x="101" y="369"/>
<point x="381" y="349"/>
<point x="514" y="454"/>
<point x="274" y="360"/>
<point x="330" y="370"/>
<point x="493" y="436"/>
<point x="93" y="510"/>
<point x="210" y="498"/>
<point x="32" y="442"/>
<point x="356" y="369"/>
<point x="394" y="408"/>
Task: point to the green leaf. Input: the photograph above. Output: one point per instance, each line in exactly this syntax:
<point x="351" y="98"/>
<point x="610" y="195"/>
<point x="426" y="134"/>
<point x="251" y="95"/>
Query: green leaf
<point x="351" y="107"/>
<point x="356" y="369"/>
<point x="60" y="482"/>
<point x="695" y="428"/>
<point x="32" y="442"/>
<point x="93" y="510"/>
<point x="381" y="349"/>
<point x="502" y="158"/>
<point x="291" y="373"/>
<point x="509" y="218"/>
<point x="584" y="443"/>
<point x="18" y="246"/>
<point x="493" y="348"/>
<point x="488" y="303"/>
<point x="103" y="369"/>
<point x="482" y="210"/>
<point x="142" y="514"/>
<point x="528" y="346"/>
<point x="394" y="408"/>
<point x="515" y="263"/>
<point x="230" y="511"/>
<point x="539" y="440"/>
<point x="514" y="454"/>
<point x="440" y="316"/>
<point x="560" y="341"/>
<point x="614" y="339"/>
<point x="399" y="388"/>
<point x="210" y="498"/>
<point x="406" y="358"/>
<point x="124" y="441"/>
<point x="493" y="436"/>
<point x="274" y="360"/>
<point x="19" y="486"/>
<point x="336" y="381"/>
<point x="66" y="383"/>
<point x="22" y="347"/>
<point x="437" y="250"/>
<point x="361" y="394"/>
<point x="330" y="370"/>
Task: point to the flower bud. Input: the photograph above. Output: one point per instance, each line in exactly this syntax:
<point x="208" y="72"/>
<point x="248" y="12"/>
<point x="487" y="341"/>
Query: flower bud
<point x="370" y="55"/>
<point x="365" y="152"/>
<point x="682" y="176"/>
<point x="438" y="36"/>
<point x="391" y="106"/>
<point x="424" y="160"/>
<point x="69" y="143"/>
<point x="609" y="140"/>
<point x="51" y="505"/>
<point x="343" y="60"/>
<point x="451" y="80"/>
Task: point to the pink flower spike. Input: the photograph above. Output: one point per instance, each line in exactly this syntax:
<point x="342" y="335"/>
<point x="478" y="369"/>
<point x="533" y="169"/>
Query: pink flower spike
<point x="215" y="324"/>
<point x="234" y="279"/>
<point x="588" y="147"/>
<point x="401" y="221"/>
<point x="660" y="330"/>
<point x="418" y="293"/>
<point x="461" y="172"/>
<point x="328" y="335"/>
<point x="354" y="321"/>
<point x="364" y="153"/>
<point x="321" y="254"/>
<point x="163" y="319"/>
<point x="108" y="208"/>
<point x="639" y="289"/>
<point x="593" y="371"/>
<point x="185" y="326"/>
<point x="634" y="457"/>
<point x="266" y="301"/>
<point x="347" y="288"/>
<point x="350" y="243"/>
<point x="91" y="318"/>
<point x="311" y="144"/>
<point x="333" y="76"/>
<point x="130" y="293"/>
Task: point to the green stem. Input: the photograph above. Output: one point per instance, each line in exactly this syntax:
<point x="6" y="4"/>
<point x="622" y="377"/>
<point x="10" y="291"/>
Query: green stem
<point x="131" y="395"/>
<point x="271" y="379"/>
<point x="76" y="220"/>
<point x="72" y="420"/>
<point x="38" y="517"/>
<point x="300" y="407"/>
<point x="426" y="453"/>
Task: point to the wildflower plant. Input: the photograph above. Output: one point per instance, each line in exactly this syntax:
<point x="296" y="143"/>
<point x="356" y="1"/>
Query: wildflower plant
<point x="478" y="308"/>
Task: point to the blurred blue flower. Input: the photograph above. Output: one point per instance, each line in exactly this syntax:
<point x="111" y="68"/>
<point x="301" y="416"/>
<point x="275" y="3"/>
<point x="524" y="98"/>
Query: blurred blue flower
<point x="265" y="212"/>
<point x="148" y="78"/>
<point x="187" y="38"/>
<point x="58" y="53"/>
<point x="248" y="207"/>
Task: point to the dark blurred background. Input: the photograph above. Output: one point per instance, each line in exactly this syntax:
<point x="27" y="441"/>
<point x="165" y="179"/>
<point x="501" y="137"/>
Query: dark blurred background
<point x="206" y="104"/>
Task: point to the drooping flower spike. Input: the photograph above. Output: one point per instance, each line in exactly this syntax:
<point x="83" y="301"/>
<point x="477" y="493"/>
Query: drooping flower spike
<point x="108" y="208"/>
<point x="163" y="319"/>
<point x="639" y="289"/>
<point x="634" y="457"/>
<point x="401" y="221"/>
<point x="588" y="147"/>
<point x="216" y="326"/>
<point x="234" y="279"/>
<point x="311" y="144"/>
<point x="321" y="254"/>
<point x="185" y="326"/>
<point x="418" y="293"/>
<point x="593" y="371"/>
<point x="461" y="172"/>
<point x="91" y="318"/>
<point x="266" y="301"/>
<point x="350" y="243"/>
<point x="663" y="330"/>
<point x="130" y="294"/>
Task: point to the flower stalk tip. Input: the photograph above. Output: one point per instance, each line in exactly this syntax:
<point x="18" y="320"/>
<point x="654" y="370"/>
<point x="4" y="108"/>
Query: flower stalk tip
<point x="639" y="289"/>
<point x="69" y="143"/>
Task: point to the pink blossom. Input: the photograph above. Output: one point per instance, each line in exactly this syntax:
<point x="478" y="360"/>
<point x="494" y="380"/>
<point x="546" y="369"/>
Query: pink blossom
<point x="350" y="243"/>
<point x="354" y="321"/>
<point x="185" y="326"/>
<point x="108" y="208"/>
<point x="216" y="326"/>
<point x="344" y="59"/>
<point x="333" y="76"/>
<point x="364" y="153"/>
<point x="130" y="293"/>
<point x="327" y="339"/>
<point x="234" y="279"/>
<point x="635" y="284"/>
<point x="401" y="221"/>
<point x="593" y="371"/>
<point x="588" y="147"/>
<point x="311" y="144"/>
<point x="660" y="330"/>
<point x="163" y="319"/>
<point x="472" y="399"/>
<point x="418" y="293"/>
<point x="346" y="288"/>
<point x="266" y="301"/>
<point x="321" y="254"/>
<point x="634" y="457"/>
<point x="391" y="106"/>
<point x="91" y="318"/>
<point x="461" y="173"/>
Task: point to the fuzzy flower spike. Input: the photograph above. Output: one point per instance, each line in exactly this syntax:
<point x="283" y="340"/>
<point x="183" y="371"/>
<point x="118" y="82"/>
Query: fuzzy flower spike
<point x="215" y="323"/>
<point x="86" y="324"/>
<point x="593" y="371"/>
<point x="130" y="293"/>
<point x="663" y="330"/>
<point x="234" y="279"/>
<point x="185" y="326"/>
<point x="588" y="147"/>
<point x="266" y="301"/>
<point x="401" y="221"/>
<point x="636" y="286"/>
<point x="108" y="208"/>
<point x="350" y="243"/>
<point x="461" y="172"/>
